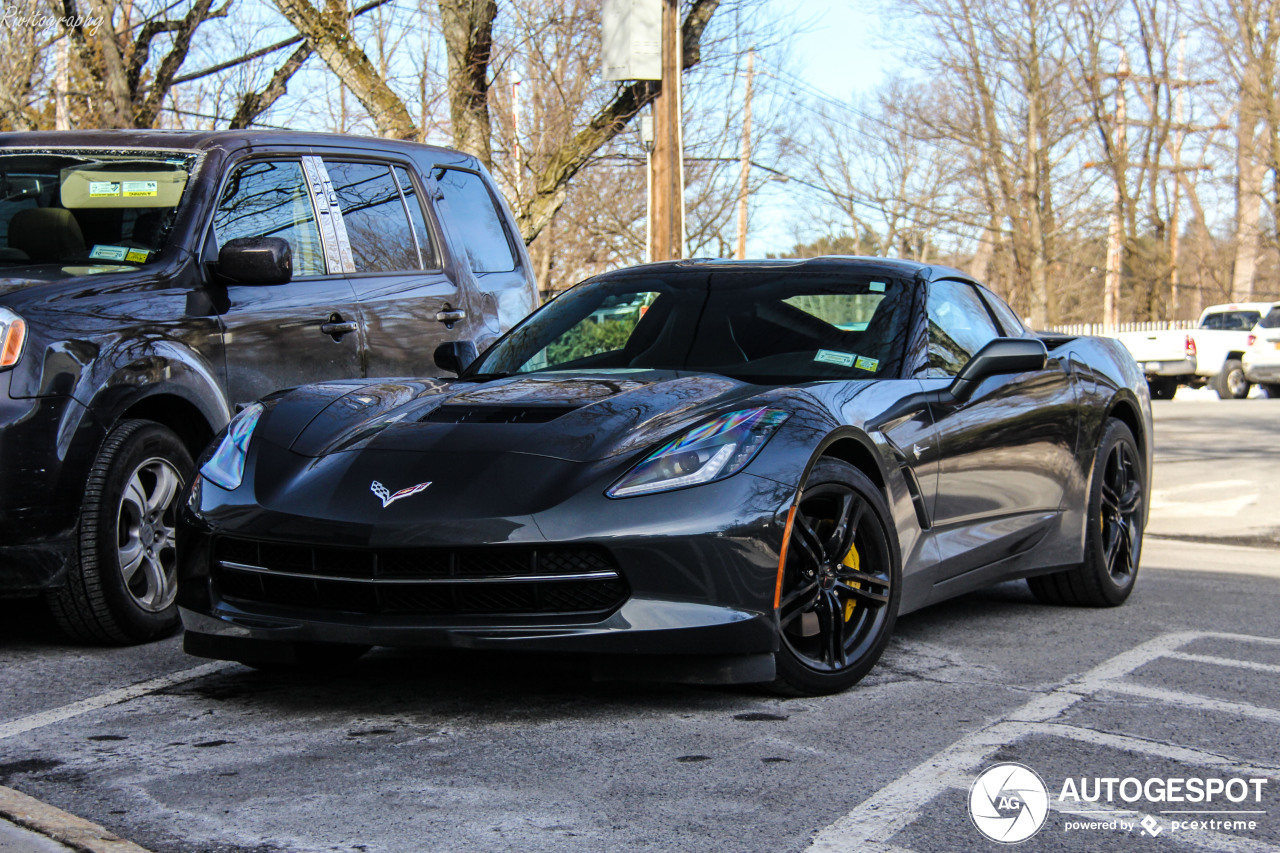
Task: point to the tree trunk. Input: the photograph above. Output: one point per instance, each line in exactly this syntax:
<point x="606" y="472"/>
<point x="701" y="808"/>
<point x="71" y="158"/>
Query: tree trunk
<point x="468" y="39"/>
<point x="1249" y="176"/>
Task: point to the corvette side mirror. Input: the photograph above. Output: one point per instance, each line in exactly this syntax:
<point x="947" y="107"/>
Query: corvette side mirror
<point x="1000" y="356"/>
<point x="455" y="356"/>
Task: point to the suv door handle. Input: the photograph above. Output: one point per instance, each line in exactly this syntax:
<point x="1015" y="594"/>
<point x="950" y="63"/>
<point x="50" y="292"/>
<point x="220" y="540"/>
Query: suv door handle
<point x="338" y="328"/>
<point x="451" y="315"/>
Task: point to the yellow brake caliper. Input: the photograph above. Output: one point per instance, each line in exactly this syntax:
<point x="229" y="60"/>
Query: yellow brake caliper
<point x="854" y="562"/>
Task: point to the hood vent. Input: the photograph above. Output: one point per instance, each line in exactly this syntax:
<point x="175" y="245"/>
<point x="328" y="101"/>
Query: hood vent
<point x="496" y="414"/>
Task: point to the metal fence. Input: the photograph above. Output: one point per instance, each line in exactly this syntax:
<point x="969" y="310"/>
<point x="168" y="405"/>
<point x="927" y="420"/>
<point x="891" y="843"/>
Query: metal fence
<point x="1110" y="331"/>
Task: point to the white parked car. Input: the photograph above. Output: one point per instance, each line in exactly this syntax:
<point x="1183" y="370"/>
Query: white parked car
<point x="1261" y="362"/>
<point x="1210" y="354"/>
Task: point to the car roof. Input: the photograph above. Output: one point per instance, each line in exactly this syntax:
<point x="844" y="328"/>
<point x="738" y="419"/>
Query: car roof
<point x="824" y="263"/>
<point x="229" y="140"/>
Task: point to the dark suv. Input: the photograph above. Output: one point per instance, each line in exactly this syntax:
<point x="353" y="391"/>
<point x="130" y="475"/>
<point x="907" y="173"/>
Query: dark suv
<point x="152" y="283"/>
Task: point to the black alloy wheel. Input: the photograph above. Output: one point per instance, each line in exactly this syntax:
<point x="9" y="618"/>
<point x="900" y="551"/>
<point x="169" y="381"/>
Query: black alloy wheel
<point x="1113" y="541"/>
<point x="840" y="585"/>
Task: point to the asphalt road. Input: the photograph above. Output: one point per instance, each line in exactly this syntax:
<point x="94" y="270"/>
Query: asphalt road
<point x="424" y="752"/>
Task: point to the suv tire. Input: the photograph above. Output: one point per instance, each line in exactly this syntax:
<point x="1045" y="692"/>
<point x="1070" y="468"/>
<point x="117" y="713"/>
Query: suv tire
<point x="122" y="583"/>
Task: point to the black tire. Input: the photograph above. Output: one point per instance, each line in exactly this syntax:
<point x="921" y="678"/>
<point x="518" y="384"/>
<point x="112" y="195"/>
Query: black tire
<point x="1230" y="383"/>
<point x="1113" y="540"/>
<point x="130" y="500"/>
<point x="841" y="583"/>
<point x="1162" y="387"/>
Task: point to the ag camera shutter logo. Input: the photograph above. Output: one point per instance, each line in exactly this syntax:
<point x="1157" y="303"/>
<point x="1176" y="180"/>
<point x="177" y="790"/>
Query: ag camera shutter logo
<point x="1008" y="803"/>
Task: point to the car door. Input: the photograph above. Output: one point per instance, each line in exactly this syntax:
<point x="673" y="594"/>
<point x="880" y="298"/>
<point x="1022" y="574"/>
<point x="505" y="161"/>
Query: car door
<point x="1005" y="452"/>
<point x="408" y="302"/>
<point x="282" y="335"/>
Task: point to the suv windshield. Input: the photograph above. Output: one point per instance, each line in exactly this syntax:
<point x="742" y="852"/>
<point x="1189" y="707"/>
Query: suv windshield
<point x="96" y="210"/>
<point x="768" y="328"/>
<point x="1272" y="320"/>
<point x="1235" y="321"/>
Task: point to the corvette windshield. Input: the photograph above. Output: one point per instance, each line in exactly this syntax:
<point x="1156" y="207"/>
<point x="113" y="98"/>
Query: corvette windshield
<point x="97" y="211"/>
<point x="769" y="328"/>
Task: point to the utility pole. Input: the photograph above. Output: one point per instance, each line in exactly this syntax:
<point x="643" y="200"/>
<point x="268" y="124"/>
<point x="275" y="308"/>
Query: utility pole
<point x="515" y="135"/>
<point x="745" y="173"/>
<point x="667" y="211"/>
<point x="1179" y="134"/>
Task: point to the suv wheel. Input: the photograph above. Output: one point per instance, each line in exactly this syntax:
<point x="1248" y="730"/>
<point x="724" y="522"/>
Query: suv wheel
<point x="122" y="585"/>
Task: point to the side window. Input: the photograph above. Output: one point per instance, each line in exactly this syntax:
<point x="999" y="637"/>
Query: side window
<point x="607" y="329"/>
<point x="375" y="217"/>
<point x="269" y="199"/>
<point x="1009" y="321"/>
<point x="959" y="326"/>
<point x="472" y="213"/>
<point x="430" y="258"/>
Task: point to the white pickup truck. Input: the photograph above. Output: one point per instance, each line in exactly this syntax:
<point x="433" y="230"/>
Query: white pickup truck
<point x="1208" y="354"/>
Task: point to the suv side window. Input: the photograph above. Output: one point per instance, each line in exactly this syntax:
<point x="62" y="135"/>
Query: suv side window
<point x="430" y="257"/>
<point x="268" y="198"/>
<point x="471" y="209"/>
<point x="959" y="326"/>
<point x="374" y="212"/>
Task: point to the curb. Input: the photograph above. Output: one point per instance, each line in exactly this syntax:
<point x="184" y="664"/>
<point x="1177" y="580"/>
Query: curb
<point x="64" y="827"/>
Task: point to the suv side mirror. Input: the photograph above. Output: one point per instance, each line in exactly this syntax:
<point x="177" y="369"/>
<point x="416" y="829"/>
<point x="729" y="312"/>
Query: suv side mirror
<point x="455" y="356"/>
<point x="1002" y="355"/>
<point x="256" y="260"/>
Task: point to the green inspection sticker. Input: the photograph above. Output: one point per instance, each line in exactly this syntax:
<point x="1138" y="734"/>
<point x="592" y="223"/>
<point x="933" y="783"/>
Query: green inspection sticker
<point x="864" y="363"/>
<point x="877" y="287"/>
<point x="829" y="356"/>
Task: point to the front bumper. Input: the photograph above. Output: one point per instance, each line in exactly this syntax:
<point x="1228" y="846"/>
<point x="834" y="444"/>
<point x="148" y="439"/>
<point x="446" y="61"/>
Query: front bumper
<point x="45" y="454"/>
<point x="699" y="568"/>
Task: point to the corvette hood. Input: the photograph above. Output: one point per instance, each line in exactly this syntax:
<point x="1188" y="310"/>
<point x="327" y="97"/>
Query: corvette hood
<point x="574" y="417"/>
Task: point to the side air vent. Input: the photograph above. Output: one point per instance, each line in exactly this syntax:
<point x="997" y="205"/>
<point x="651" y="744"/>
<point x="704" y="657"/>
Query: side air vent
<point x="497" y="414"/>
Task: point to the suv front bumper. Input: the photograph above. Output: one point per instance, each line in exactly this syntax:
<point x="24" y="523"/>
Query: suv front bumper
<point x="42" y="472"/>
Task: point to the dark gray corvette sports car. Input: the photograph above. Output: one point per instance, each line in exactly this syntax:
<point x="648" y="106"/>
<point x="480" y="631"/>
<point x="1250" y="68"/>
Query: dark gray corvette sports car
<point x="716" y="471"/>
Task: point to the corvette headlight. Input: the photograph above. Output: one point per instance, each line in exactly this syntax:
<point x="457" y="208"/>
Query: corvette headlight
<point x="713" y="451"/>
<point x="13" y="334"/>
<point x="225" y="467"/>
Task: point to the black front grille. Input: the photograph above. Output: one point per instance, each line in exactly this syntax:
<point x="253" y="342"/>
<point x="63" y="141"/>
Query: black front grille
<point x="457" y="414"/>
<point x="495" y="580"/>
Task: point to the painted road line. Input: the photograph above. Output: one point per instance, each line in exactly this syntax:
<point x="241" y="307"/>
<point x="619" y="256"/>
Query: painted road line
<point x="1192" y="700"/>
<point x="871" y="824"/>
<point x="1219" y="661"/>
<point x="61" y="826"/>
<point x="111" y="697"/>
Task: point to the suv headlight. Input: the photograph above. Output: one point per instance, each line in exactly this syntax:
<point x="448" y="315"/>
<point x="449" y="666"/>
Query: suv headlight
<point x="225" y="467"/>
<point x="13" y="334"/>
<point x="717" y="449"/>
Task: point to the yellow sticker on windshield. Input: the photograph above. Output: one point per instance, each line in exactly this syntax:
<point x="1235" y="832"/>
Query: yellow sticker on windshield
<point x="864" y="363"/>
<point x="138" y="189"/>
<point x="137" y="256"/>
